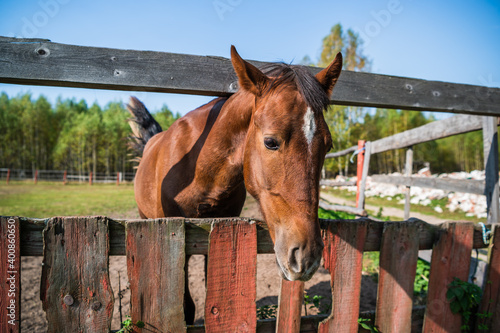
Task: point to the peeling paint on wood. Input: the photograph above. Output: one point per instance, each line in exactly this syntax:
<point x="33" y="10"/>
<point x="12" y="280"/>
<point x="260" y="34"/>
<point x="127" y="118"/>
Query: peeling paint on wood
<point x="75" y="264"/>
<point x="155" y="266"/>
<point x="231" y="278"/>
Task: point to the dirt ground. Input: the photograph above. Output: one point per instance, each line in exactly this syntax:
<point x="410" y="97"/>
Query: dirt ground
<point x="268" y="284"/>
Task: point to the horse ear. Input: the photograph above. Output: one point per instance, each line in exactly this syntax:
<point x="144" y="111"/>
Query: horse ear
<point x="250" y="77"/>
<point x="329" y="76"/>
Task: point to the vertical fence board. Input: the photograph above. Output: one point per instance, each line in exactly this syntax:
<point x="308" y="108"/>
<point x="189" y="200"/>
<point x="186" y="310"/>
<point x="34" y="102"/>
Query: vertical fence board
<point x="155" y="267"/>
<point x="75" y="288"/>
<point x="398" y="263"/>
<point x="231" y="277"/>
<point x="343" y="256"/>
<point x="450" y="259"/>
<point x="491" y="296"/>
<point x="359" y="168"/>
<point x="290" y="306"/>
<point x="366" y="166"/>
<point x="10" y="275"/>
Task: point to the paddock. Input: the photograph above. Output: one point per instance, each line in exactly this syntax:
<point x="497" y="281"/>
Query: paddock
<point x="75" y="289"/>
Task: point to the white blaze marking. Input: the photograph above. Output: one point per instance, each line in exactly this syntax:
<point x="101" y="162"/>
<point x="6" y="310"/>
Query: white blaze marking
<point x="309" y="126"/>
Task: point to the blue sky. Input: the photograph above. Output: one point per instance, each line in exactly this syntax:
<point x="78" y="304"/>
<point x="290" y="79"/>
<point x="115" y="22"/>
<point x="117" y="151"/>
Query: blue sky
<point x="455" y="41"/>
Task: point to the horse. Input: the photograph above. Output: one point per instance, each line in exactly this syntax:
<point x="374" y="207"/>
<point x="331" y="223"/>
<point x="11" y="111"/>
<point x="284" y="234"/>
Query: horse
<point x="269" y="138"/>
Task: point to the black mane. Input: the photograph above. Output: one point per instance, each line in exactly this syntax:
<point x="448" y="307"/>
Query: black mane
<point x="310" y="89"/>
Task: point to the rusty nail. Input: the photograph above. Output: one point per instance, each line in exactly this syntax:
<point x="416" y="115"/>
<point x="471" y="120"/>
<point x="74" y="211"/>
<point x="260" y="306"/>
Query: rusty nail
<point x="68" y="300"/>
<point x="96" y="305"/>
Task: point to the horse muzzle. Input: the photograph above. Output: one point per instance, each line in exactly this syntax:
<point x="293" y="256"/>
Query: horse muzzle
<point x="298" y="261"/>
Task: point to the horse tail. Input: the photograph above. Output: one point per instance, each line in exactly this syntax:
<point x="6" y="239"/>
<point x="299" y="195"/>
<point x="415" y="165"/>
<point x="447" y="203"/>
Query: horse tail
<point x="143" y="125"/>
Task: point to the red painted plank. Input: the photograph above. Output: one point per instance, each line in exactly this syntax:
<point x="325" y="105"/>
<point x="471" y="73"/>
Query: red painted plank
<point x="450" y="259"/>
<point x="75" y="288"/>
<point x="290" y="306"/>
<point x="398" y="263"/>
<point x="491" y="296"/>
<point x="155" y="267"/>
<point x="343" y="256"/>
<point x="10" y="275"/>
<point x="231" y="275"/>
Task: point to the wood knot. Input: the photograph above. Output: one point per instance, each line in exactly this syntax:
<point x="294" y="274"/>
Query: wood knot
<point x="68" y="300"/>
<point x="96" y="305"/>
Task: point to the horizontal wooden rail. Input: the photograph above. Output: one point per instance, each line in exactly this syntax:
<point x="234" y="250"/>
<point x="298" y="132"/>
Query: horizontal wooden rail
<point x="439" y="129"/>
<point x="42" y="62"/>
<point x="429" y="132"/>
<point x="342" y="152"/>
<point x="333" y="183"/>
<point x="347" y="209"/>
<point x="456" y="185"/>
<point x="197" y="231"/>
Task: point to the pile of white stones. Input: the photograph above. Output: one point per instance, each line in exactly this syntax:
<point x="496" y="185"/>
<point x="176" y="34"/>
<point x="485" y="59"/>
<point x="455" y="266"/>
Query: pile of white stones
<point x="471" y="204"/>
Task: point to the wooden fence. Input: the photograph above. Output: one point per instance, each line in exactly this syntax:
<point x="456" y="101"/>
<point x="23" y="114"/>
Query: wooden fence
<point x="436" y="130"/>
<point x="75" y="288"/>
<point x="77" y="296"/>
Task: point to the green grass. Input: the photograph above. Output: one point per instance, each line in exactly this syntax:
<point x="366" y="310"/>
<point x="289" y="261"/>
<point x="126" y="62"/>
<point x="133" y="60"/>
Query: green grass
<point x="47" y="199"/>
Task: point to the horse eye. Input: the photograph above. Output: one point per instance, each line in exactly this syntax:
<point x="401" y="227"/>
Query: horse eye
<point x="271" y="144"/>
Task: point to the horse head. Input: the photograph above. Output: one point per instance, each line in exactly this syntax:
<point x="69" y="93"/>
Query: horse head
<point x="284" y="152"/>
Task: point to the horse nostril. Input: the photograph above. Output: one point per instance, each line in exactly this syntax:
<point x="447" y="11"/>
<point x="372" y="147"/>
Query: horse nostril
<point x="295" y="260"/>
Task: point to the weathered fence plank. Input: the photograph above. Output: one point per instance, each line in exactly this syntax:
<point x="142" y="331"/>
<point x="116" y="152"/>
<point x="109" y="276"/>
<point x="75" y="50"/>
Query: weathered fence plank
<point x="32" y="245"/>
<point x="398" y="263"/>
<point x="457" y="185"/>
<point x="366" y="165"/>
<point x="290" y="306"/>
<point x="10" y="275"/>
<point x="429" y="132"/>
<point x="231" y="277"/>
<point x="450" y="259"/>
<point x="343" y="256"/>
<point x="347" y="209"/>
<point x="490" y="148"/>
<point x="155" y="266"/>
<point x="41" y="62"/>
<point x="408" y="172"/>
<point x="75" y="287"/>
<point x="490" y="302"/>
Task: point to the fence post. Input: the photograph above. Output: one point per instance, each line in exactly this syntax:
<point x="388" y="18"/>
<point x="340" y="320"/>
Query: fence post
<point x="8" y="176"/>
<point x="408" y="171"/>
<point x="36" y="176"/>
<point x="65" y="177"/>
<point x="90" y="178"/>
<point x="117" y="178"/>
<point x="366" y="164"/>
<point x="490" y="146"/>
<point x="359" y="168"/>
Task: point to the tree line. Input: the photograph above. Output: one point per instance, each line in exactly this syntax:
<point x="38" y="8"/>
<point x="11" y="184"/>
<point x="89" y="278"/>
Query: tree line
<point x="73" y="136"/>
<point x="67" y="136"/>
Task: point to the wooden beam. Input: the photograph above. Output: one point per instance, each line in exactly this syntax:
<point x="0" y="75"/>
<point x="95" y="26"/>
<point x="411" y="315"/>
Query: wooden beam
<point x="42" y="62"/>
<point x="342" y="152"/>
<point x="456" y="185"/>
<point x="333" y="183"/>
<point x="197" y="239"/>
<point x="346" y="209"/>
<point x="490" y="146"/>
<point x="366" y="166"/>
<point x="429" y="132"/>
<point x="408" y="172"/>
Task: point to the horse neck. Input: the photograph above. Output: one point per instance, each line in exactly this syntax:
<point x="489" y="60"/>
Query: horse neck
<point x="230" y="129"/>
